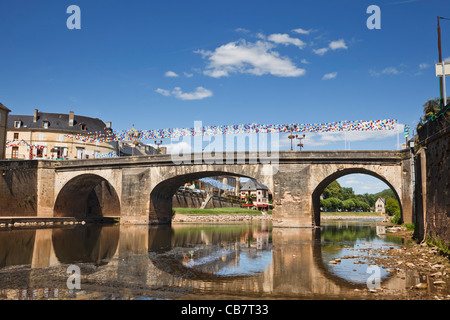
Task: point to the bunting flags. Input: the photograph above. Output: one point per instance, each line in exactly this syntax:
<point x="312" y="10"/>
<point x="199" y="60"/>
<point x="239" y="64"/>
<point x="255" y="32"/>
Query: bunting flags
<point x="23" y="143"/>
<point x="127" y="135"/>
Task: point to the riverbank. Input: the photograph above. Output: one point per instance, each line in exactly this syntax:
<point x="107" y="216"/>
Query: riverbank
<point x="240" y="214"/>
<point x="424" y="262"/>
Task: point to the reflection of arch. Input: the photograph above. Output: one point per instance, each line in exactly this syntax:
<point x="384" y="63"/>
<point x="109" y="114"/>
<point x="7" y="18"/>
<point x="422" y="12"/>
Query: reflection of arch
<point x="87" y="195"/>
<point x="162" y="194"/>
<point x="163" y="239"/>
<point x="325" y="182"/>
<point x="90" y="243"/>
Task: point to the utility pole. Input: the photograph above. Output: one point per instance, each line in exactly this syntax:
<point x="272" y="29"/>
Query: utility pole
<point x="440" y="61"/>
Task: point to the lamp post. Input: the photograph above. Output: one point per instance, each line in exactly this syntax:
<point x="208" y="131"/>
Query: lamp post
<point x="300" y="144"/>
<point x="158" y="144"/>
<point x="291" y="136"/>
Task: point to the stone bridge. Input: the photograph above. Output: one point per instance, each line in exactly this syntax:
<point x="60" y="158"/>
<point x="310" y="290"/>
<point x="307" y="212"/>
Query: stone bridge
<point x="140" y="189"/>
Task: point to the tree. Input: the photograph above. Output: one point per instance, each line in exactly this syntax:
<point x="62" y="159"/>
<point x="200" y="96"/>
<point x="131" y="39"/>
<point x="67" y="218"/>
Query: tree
<point x="335" y="203"/>
<point x="392" y="207"/>
<point x="348" y="204"/>
<point x="347" y="193"/>
<point x="333" y="190"/>
<point x="433" y="106"/>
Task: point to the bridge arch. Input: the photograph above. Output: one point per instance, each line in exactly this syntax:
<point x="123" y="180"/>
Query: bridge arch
<point x="318" y="190"/>
<point x="162" y="194"/>
<point x="87" y="196"/>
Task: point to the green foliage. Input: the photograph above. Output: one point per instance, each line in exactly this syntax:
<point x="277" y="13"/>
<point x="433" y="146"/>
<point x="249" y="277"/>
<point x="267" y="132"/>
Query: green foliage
<point x="333" y="190"/>
<point x="441" y="245"/>
<point x="392" y="207"/>
<point x="337" y="197"/>
<point x="396" y="218"/>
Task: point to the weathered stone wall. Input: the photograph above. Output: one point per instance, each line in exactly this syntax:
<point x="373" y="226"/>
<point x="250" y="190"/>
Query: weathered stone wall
<point x="195" y="200"/>
<point x="18" y="188"/>
<point x="432" y="179"/>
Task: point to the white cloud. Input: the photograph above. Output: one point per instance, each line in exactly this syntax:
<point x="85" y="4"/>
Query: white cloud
<point x="283" y="38"/>
<point x="198" y="94"/>
<point x="338" y="44"/>
<point x="171" y="74"/>
<point x="329" y="76"/>
<point x="304" y="61"/>
<point x="332" y="138"/>
<point x="321" y="51"/>
<point x="243" y="30"/>
<point x="254" y="58"/>
<point x="163" y="92"/>
<point x="388" y="70"/>
<point x="333" y="45"/>
<point x="302" y="31"/>
<point x="423" y="65"/>
<point x="188" y="75"/>
<point x="447" y="59"/>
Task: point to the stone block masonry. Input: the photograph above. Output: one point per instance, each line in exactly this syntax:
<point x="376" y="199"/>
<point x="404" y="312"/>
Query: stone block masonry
<point x="18" y="188"/>
<point x="432" y="166"/>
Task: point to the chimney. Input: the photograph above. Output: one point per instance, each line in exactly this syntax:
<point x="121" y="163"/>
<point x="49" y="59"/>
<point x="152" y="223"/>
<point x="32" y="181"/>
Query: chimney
<point x="35" y="116"/>
<point x="109" y="125"/>
<point x="71" y="116"/>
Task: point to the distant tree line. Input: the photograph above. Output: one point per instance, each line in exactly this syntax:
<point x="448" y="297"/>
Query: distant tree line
<point x="338" y="198"/>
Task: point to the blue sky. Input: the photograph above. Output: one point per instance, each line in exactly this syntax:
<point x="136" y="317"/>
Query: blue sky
<point x="163" y="64"/>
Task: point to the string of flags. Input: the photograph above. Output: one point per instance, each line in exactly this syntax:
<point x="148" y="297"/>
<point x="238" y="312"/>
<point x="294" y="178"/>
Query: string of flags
<point x="23" y="143"/>
<point x="129" y="135"/>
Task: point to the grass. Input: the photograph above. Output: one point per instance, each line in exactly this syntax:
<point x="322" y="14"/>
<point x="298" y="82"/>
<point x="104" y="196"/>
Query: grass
<point x="344" y="214"/>
<point x="217" y="211"/>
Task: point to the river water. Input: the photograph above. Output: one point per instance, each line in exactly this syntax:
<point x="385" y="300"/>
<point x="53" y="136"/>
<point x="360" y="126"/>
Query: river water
<point x="197" y="261"/>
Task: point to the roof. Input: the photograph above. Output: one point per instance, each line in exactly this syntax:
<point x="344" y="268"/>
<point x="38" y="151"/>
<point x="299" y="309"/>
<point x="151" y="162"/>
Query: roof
<point x="2" y="107"/>
<point x="57" y="121"/>
<point x="252" y="185"/>
<point x="382" y="199"/>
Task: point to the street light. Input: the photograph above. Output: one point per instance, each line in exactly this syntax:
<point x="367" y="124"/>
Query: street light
<point x="300" y="144"/>
<point x="291" y="136"/>
<point x="158" y="144"/>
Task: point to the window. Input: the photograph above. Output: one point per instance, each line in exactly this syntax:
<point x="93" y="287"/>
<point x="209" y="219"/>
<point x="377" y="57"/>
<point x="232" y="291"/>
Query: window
<point x="15" y="153"/>
<point x="17" y="124"/>
<point x="46" y="124"/>
<point x="83" y="127"/>
<point x="16" y="136"/>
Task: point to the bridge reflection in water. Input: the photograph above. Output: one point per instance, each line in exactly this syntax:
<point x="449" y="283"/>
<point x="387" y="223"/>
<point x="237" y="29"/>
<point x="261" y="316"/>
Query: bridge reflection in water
<point x="181" y="261"/>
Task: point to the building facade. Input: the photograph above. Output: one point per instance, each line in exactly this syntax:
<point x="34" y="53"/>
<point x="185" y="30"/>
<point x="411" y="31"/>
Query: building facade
<point x="380" y="205"/>
<point x="258" y="191"/>
<point x="54" y="136"/>
<point x="3" y="129"/>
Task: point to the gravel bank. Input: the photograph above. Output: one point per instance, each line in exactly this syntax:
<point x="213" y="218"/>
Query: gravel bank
<point x="219" y="218"/>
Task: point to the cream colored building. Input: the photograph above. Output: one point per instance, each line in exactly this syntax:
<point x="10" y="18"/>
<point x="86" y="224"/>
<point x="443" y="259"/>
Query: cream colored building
<point x="51" y="136"/>
<point x="380" y="205"/>
<point x="3" y="129"/>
